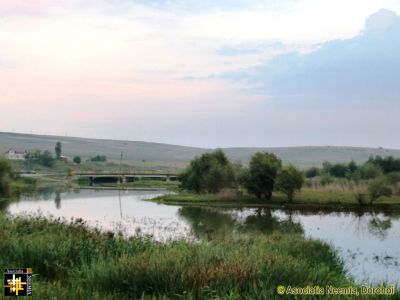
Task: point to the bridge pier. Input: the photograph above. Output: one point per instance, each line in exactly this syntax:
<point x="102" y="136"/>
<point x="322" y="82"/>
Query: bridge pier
<point x="122" y="179"/>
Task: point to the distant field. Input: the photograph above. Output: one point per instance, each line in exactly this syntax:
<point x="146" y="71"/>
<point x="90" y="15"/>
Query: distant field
<point x="165" y="154"/>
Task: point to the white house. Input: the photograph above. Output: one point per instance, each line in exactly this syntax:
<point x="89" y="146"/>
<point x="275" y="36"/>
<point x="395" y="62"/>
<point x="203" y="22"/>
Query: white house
<point x="13" y="154"/>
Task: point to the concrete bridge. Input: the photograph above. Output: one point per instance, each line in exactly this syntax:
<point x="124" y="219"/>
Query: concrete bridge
<point x="126" y="176"/>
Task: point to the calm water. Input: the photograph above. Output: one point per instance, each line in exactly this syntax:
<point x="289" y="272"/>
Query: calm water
<point x="369" y="243"/>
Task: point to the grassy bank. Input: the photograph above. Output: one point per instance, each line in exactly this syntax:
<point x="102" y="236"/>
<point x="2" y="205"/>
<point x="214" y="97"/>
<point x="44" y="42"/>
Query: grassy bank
<point x="71" y="261"/>
<point x="22" y="185"/>
<point x="307" y="198"/>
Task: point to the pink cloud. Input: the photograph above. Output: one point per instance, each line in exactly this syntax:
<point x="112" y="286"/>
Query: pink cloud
<point x="27" y="7"/>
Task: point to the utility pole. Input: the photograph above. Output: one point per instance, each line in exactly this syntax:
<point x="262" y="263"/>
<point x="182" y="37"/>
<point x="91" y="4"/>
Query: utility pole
<point x="120" y="166"/>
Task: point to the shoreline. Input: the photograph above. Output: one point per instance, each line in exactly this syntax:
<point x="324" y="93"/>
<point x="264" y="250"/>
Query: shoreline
<point x="277" y="202"/>
<point x="116" y="188"/>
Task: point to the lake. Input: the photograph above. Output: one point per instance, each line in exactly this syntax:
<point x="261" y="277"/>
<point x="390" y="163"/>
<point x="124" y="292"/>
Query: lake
<point x="368" y="242"/>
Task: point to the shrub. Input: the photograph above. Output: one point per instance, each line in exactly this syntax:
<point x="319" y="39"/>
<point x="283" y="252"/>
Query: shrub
<point x="370" y="171"/>
<point x="42" y="158"/>
<point x="378" y="188"/>
<point x="352" y="167"/>
<point x="6" y="176"/>
<point x="77" y="159"/>
<point x="326" y="179"/>
<point x="338" y="170"/>
<point x="393" y="177"/>
<point x="289" y="180"/>
<point x="312" y="172"/>
<point x="47" y="159"/>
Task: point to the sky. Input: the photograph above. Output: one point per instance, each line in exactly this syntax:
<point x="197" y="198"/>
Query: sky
<point x="260" y="73"/>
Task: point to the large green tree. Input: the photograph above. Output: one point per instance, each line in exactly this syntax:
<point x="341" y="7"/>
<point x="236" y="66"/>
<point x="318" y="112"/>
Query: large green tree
<point x="261" y="176"/>
<point x="289" y="181"/>
<point x="210" y="173"/>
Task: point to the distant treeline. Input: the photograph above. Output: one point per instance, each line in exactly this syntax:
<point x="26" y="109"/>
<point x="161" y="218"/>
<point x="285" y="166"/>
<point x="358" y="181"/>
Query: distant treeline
<point x="46" y="158"/>
<point x="213" y="172"/>
<point x="372" y="168"/>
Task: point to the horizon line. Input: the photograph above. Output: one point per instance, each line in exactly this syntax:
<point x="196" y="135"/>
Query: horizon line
<point x="197" y="147"/>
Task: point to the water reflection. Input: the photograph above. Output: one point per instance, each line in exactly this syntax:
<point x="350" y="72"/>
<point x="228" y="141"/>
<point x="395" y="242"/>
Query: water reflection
<point x="379" y="227"/>
<point x="208" y="223"/>
<point x="57" y="200"/>
<point x="266" y="222"/>
<point x="212" y="223"/>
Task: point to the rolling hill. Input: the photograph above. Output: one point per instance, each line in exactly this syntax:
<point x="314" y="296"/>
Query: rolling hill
<point x="139" y="151"/>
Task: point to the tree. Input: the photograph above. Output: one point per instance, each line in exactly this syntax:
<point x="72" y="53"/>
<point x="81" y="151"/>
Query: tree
<point x="38" y="157"/>
<point x="312" y="172"/>
<point x="387" y="164"/>
<point x="47" y="159"/>
<point x="260" y="178"/>
<point x="377" y="188"/>
<point x="289" y="180"/>
<point x="338" y="170"/>
<point x="98" y="158"/>
<point x="370" y="171"/>
<point x="6" y="176"/>
<point x="77" y="159"/>
<point x="326" y="167"/>
<point x="211" y="172"/>
<point x="58" y="150"/>
<point x="352" y="167"/>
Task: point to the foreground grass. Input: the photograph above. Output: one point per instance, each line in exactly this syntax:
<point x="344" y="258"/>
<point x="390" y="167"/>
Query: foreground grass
<point x="72" y="262"/>
<point x="307" y="198"/>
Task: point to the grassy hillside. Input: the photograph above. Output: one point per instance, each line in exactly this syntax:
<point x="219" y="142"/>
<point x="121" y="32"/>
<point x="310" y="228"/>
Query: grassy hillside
<point x="155" y="152"/>
<point x="314" y="155"/>
<point x="86" y="148"/>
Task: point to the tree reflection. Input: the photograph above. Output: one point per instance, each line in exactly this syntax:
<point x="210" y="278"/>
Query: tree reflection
<point x="214" y="223"/>
<point x="57" y="200"/>
<point x="379" y="227"/>
<point x="208" y="223"/>
<point x="264" y="221"/>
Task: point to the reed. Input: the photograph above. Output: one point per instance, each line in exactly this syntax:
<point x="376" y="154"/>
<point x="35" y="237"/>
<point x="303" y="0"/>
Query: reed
<point x="71" y="260"/>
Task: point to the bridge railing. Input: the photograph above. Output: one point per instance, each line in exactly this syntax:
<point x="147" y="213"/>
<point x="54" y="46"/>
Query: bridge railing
<point x="127" y="173"/>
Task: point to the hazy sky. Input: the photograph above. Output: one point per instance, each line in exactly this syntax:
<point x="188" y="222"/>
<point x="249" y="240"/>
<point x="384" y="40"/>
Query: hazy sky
<point x="203" y="73"/>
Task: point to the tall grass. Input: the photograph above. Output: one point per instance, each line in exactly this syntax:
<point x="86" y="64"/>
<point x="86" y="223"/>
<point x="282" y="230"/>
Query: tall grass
<point x="71" y="261"/>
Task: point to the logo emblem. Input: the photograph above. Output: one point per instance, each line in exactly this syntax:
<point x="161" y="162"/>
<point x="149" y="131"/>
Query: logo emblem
<point x="18" y="282"/>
